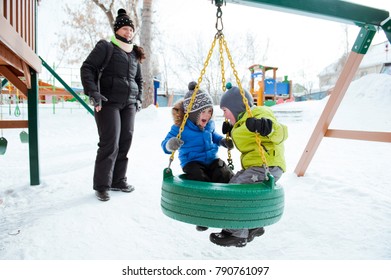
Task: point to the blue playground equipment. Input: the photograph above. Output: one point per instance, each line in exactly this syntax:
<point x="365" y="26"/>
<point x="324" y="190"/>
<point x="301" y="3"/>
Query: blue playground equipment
<point x="269" y="91"/>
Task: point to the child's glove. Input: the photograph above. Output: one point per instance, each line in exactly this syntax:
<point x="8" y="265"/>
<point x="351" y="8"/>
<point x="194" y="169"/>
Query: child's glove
<point x="262" y="125"/>
<point x="229" y="144"/>
<point x="96" y="98"/>
<point x="227" y="127"/>
<point x="138" y="105"/>
<point x="174" y="144"/>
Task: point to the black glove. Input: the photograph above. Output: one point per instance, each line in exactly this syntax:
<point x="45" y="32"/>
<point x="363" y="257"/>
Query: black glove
<point x="227" y="127"/>
<point x="262" y="125"/>
<point x="229" y="144"/>
<point x="138" y="105"/>
<point x="96" y="98"/>
<point x="174" y="144"/>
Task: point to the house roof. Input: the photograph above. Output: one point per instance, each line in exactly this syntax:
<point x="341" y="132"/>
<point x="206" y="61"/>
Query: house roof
<point x="378" y="54"/>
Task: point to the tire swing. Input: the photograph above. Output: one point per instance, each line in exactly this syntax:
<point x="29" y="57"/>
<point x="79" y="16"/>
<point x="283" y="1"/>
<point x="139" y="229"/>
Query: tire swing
<point x="221" y="205"/>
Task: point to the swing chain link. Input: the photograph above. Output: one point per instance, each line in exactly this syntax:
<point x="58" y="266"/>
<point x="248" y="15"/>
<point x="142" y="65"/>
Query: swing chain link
<point x="185" y="117"/>
<point x="220" y="36"/>
<point x="229" y="159"/>
<point x="221" y="51"/>
<point x="267" y="172"/>
<point x="248" y="109"/>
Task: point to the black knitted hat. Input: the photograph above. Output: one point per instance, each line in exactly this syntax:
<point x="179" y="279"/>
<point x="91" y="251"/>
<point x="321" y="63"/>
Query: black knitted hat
<point x="122" y="19"/>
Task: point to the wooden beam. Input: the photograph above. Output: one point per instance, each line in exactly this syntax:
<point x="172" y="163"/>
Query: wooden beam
<point x="346" y="76"/>
<point x="27" y="74"/>
<point x="15" y="42"/>
<point x="4" y="124"/>
<point x="8" y="57"/>
<point x="359" y="135"/>
<point x="10" y="76"/>
<point x="360" y="47"/>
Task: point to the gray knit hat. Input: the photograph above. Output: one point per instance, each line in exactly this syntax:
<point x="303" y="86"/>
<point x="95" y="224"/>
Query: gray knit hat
<point x="232" y="100"/>
<point x="202" y="101"/>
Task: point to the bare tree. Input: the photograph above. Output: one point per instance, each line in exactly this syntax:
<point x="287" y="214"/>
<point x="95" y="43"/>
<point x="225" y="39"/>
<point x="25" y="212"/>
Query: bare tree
<point x="245" y="52"/>
<point x="82" y="24"/>
<point x="146" y="43"/>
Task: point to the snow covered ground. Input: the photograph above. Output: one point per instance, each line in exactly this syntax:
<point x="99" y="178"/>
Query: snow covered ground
<point x="340" y="209"/>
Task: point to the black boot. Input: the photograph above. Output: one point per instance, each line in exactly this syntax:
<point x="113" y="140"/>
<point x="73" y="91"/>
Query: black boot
<point x="201" y="228"/>
<point x="226" y="239"/>
<point x="254" y="232"/>
<point x="102" y="195"/>
<point x="123" y="187"/>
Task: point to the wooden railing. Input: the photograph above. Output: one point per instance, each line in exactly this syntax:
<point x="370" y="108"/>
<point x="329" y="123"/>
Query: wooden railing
<point x="18" y="33"/>
<point x="20" y="14"/>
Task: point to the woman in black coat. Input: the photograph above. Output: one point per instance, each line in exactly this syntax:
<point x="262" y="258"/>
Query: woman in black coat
<point x="116" y="93"/>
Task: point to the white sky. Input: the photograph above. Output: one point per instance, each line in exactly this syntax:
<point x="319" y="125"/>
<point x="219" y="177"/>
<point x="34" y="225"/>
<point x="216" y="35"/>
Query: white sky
<point x="298" y="44"/>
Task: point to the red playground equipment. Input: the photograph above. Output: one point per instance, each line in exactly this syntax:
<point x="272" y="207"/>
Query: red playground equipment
<point x="267" y="90"/>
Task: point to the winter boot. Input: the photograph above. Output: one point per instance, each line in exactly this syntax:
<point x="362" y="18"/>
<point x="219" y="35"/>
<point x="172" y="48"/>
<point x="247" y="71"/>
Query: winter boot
<point x="102" y="195"/>
<point x="226" y="239"/>
<point x="123" y="187"/>
<point x="201" y="228"/>
<point x="252" y="233"/>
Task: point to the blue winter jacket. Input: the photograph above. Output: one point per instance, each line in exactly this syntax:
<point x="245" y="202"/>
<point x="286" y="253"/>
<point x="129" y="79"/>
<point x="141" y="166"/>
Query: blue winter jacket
<point x="199" y="145"/>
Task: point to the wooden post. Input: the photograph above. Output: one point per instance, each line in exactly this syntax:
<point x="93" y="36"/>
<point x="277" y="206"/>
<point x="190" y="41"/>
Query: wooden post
<point x="360" y="47"/>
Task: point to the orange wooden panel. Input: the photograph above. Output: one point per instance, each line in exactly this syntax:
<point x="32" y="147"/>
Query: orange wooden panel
<point x="5" y="124"/>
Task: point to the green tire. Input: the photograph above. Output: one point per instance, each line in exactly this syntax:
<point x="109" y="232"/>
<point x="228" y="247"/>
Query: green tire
<point x="221" y="205"/>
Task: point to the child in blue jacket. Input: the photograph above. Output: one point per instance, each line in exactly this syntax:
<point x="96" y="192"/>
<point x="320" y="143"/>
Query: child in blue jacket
<point x="199" y="142"/>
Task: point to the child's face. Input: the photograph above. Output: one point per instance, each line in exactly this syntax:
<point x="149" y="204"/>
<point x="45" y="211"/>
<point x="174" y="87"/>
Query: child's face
<point x="205" y="116"/>
<point x="228" y="115"/>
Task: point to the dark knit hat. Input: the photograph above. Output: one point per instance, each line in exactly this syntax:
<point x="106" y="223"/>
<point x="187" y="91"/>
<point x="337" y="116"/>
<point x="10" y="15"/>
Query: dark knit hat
<point x="232" y="100"/>
<point x="122" y="19"/>
<point x="202" y="101"/>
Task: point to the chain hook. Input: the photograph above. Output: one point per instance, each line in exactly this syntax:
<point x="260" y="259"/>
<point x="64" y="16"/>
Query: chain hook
<point x="267" y="171"/>
<point x="219" y="20"/>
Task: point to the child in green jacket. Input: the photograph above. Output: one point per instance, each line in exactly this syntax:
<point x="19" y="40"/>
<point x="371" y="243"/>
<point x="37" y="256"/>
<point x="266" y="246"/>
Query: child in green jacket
<point x="243" y="129"/>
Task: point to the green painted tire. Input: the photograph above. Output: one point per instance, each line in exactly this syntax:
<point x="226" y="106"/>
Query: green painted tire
<point x="221" y="205"/>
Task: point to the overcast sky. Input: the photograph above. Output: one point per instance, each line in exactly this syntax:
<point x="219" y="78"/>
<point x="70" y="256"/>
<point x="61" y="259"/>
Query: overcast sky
<point x="296" y="43"/>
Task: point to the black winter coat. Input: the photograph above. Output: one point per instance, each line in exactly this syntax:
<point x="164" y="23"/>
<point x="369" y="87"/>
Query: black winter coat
<point x="121" y="80"/>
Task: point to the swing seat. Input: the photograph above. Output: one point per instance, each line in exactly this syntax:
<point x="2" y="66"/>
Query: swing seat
<point x="24" y="137"/>
<point x="3" y="145"/>
<point x="221" y="205"/>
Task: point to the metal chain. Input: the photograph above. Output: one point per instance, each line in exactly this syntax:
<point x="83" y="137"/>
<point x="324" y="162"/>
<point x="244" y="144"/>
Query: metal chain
<point x="221" y="50"/>
<point x="219" y="35"/>
<point x="222" y="67"/>
<point x="248" y="109"/>
<point x="185" y="117"/>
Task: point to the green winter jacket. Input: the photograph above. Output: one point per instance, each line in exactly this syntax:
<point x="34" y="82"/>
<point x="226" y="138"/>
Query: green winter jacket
<point x="273" y="144"/>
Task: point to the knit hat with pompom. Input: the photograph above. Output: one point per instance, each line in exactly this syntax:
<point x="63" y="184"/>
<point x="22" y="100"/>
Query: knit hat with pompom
<point x="233" y="100"/>
<point x="122" y="19"/>
<point x="202" y="101"/>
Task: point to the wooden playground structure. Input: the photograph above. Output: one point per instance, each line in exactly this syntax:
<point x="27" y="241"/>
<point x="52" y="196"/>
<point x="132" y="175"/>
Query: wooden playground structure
<point x="267" y="90"/>
<point x="47" y="93"/>
<point x="20" y="64"/>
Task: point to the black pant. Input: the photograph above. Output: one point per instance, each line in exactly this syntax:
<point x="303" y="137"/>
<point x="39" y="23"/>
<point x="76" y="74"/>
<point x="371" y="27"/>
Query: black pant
<point x="216" y="172"/>
<point x="115" y="124"/>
